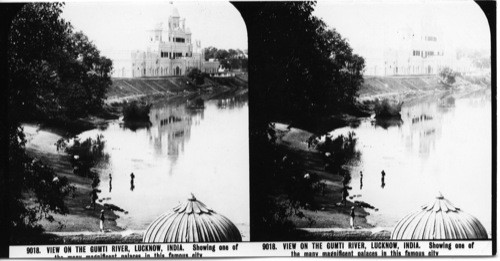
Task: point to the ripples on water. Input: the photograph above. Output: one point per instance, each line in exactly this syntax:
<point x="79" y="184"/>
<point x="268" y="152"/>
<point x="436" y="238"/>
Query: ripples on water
<point x="439" y="146"/>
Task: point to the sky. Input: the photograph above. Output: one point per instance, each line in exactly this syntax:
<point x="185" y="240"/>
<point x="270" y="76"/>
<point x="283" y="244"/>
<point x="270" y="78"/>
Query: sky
<point x="369" y="24"/>
<point x="118" y="28"/>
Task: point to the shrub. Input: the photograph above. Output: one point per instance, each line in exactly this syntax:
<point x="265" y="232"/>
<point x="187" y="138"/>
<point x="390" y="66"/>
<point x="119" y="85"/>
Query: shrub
<point x="387" y="109"/>
<point x="135" y="111"/>
<point x="448" y="76"/>
<point x="85" y="155"/>
<point x="342" y="150"/>
<point x="196" y="75"/>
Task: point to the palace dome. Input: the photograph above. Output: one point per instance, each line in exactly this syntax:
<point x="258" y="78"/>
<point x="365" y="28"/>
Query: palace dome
<point x="439" y="220"/>
<point x="175" y="12"/>
<point x="191" y="221"/>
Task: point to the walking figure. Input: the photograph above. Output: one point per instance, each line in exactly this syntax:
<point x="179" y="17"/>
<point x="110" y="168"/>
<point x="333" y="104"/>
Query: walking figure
<point x="101" y="222"/>
<point x="132" y="176"/>
<point x="353" y="215"/>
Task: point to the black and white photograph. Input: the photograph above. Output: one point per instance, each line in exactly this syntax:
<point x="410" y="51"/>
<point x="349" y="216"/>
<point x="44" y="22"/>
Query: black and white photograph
<point x="129" y="123"/>
<point x="379" y="122"/>
<point x="191" y="129"/>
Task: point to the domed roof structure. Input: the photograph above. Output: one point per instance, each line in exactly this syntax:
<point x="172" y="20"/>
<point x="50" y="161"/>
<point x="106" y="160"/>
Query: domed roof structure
<point x="191" y="222"/>
<point x="439" y="220"/>
<point x="175" y="12"/>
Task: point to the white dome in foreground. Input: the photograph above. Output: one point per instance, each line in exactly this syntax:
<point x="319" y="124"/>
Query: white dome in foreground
<point x="439" y="220"/>
<point x="191" y="221"/>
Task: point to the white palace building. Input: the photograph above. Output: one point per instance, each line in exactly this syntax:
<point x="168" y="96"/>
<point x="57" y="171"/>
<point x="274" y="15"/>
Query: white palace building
<point x="171" y="51"/>
<point x="421" y="50"/>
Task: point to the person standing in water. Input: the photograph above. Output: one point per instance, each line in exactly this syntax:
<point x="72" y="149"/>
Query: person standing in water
<point x="361" y="180"/>
<point x="132" y="176"/>
<point x="101" y="222"/>
<point x="383" y="178"/>
<point x="353" y="215"/>
<point x="110" y="181"/>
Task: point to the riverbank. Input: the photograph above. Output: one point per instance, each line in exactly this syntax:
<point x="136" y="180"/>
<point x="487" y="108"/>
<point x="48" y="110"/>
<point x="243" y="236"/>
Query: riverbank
<point x="145" y="90"/>
<point x="329" y="214"/>
<point x="41" y="145"/>
<point x="81" y="225"/>
<point x="293" y="140"/>
<point x="409" y="87"/>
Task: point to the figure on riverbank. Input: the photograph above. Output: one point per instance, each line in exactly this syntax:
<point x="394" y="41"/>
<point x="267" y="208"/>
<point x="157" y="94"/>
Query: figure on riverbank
<point x="93" y="197"/>
<point x="310" y="141"/>
<point x="347" y="177"/>
<point x="383" y="179"/>
<point x="345" y="194"/>
<point x="132" y="176"/>
<point x="95" y="182"/>
<point x="101" y="222"/>
<point x="353" y="215"/>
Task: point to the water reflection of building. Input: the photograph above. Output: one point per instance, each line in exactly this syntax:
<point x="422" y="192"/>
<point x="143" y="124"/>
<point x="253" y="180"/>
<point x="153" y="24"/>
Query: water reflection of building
<point x="173" y="124"/>
<point x="232" y="102"/>
<point x="425" y="126"/>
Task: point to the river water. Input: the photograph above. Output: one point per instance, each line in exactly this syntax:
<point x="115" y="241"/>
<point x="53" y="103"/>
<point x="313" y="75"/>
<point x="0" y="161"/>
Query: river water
<point x="204" y="152"/>
<point x="441" y="146"/>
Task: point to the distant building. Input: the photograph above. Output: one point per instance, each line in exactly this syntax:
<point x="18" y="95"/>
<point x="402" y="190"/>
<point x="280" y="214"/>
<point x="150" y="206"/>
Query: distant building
<point x="412" y="52"/>
<point x="170" y="51"/>
<point x="420" y="50"/>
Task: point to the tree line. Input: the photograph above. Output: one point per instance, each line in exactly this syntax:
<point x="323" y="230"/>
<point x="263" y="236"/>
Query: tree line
<point x="230" y="59"/>
<point x="301" y="70"/>
<point x="54" y="74"/>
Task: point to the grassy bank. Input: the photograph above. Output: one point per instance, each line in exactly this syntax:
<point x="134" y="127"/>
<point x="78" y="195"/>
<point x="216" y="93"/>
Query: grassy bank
<point x="407" y="87"/>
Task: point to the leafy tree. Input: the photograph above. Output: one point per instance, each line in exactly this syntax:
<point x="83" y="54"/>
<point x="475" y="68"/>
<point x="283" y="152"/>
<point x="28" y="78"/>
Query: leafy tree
<point x="53" y="72"/>
<point x="221" y="54"/>
<point x="196" y="75"/>
<point x="448" y="76"/>
<point x="30" y="178"/>
<point x="210" y="53"/>
<point x="230" y="59"/>
<point x="301" y="70"/>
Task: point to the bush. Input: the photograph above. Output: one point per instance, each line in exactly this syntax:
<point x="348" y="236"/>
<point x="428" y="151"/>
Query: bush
<point x="342" y="150"/>
<point x="448" y="76"/>
<point x="196" y="75"/>
<point x="85" y="155"/>
<point x="387" y="109"/>
<point x="135" y="111"/>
